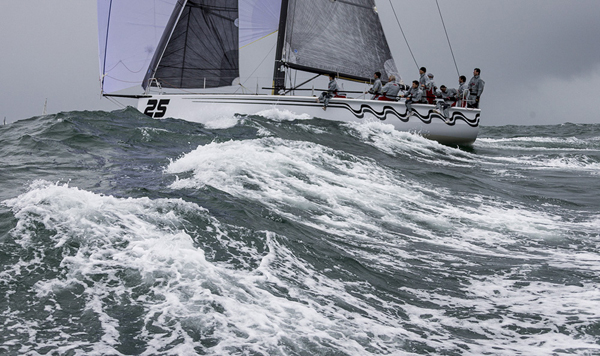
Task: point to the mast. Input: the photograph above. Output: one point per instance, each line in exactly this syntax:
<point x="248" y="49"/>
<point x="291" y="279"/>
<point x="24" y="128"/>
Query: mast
<point x="278" y="74"/>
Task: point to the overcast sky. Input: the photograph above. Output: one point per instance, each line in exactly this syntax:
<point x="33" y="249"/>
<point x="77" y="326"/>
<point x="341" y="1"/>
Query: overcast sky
<point x="540" y="59"/>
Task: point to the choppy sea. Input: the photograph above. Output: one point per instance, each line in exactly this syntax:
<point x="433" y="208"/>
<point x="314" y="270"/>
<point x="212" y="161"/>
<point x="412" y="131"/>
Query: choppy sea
<point x="280" y="234"/>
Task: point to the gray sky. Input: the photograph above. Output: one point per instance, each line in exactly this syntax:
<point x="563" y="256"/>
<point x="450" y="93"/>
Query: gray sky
<point x="540" y="59"/>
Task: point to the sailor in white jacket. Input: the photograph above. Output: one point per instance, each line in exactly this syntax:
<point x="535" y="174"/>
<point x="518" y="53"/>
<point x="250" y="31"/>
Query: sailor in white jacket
<point x="412" y="95"/>
<point x="463" y="92"/>
<point x="376" y="89"/>
<point x="332" y="90"/>
<point x="443" y="100"/>
<point x="476" y="85"/>
<point x="390" y="89"/>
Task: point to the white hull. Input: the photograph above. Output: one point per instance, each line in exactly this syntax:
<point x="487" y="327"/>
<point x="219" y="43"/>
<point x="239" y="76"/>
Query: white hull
<point x="462" y="128"/>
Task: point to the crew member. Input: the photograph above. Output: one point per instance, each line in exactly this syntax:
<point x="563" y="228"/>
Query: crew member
<point x="390" y="90"/>
<point x="430" y="89"/>
<point x="476" y="85"/>
<point x="332" y="90"/>
<point x="376" y="89"/>
<point x="412" y="95"/>
<point x="462" y="92"/>
<point x="444" y="99"/>
<point x="422" y="79"/>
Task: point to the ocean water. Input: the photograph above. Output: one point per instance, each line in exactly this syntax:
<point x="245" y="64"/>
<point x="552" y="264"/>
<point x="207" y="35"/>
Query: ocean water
<point x="280" y="234"/>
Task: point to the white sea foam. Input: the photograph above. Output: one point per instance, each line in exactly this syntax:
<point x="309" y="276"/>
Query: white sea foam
<point x="541" y="144"/>
<point x="541" y="162"/>
<point x="334" y="187"/>
<point x="263" y="132"/>
<point x="390" y="141"/>
<point x="373" y="216"/>
<point x="311" y="129"/>
<point x="386" y="138"/>
<point x="222" y="122"/>
<point x="125" y="240"/>
<point x="147" y="132"/>
<point x="535" y="139"/>
<point x="526" y="318"/>
<point x="570" y="154"/>
<point x="352" y="196"/>
<point x="279" y="115"/>
<point x="276" y="114"/>
<point x="406" y="144"/>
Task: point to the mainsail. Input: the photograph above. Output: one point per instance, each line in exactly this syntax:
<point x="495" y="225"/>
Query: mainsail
<point x="339" y="36"/>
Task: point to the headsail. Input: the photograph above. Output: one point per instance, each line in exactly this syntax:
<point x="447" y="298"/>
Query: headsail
<point x="340" y="36"/>
<point x="128" y="33"/>
<point x="258" y="19"/>
<point x="201" y="49"/>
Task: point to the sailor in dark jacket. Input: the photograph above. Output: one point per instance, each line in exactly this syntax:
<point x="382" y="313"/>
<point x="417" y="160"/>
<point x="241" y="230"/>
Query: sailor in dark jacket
<point x="332" y="91"/>
<point x="476" y="85"/>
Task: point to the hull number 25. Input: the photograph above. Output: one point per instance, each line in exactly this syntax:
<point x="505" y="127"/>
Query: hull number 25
<point x="157" y="108"/>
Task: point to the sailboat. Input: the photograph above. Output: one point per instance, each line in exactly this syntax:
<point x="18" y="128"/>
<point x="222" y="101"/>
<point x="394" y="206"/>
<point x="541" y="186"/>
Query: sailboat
<point x="197" y="60"/>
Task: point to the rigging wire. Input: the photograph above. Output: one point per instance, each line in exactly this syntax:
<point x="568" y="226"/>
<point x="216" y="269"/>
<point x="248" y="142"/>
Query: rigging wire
<point x="105" y="48"/>
<point x="261" y="62"/>
<point x="447" y="38"/>
<point x="115" y="101"/>
<point x="403" y="35"/>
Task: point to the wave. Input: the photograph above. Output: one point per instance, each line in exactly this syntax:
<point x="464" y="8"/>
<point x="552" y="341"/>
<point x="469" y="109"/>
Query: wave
<point x="565" y="144"/>
<point x="162" y="261"/>
<point x="346" y="195"/>
<point x="284" y="234"/>
<point x="202" y="285"/>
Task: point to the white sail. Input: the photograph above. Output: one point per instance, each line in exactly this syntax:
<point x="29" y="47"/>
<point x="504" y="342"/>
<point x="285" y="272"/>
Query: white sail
<point x="128" y="33"/>
<point x="258" y="19"/>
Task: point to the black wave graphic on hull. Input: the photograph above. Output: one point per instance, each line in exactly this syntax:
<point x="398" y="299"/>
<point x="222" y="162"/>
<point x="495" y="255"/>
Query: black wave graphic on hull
<point x="389" y="110"/>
